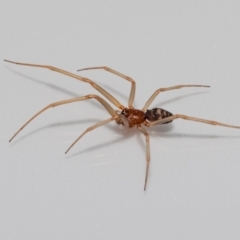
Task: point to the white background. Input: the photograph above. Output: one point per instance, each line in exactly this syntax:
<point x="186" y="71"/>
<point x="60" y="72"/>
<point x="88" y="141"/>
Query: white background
<point x="96" y="191"/>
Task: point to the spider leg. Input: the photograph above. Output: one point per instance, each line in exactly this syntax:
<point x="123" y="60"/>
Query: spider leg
<point x="102" y="101"/>
<point x="93" y="84"/>
<point x="92" y="128"/>
<point x="164" y="120"/>
<point x="149" y="101"/>
<point x="147" y="154"/>
<point x="133" y="88"/>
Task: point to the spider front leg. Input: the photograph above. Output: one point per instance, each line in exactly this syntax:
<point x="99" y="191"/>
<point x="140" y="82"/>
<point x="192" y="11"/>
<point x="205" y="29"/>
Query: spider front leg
<point x="150" y="100"/>
<point x="167" y="119"/>
<point x="133" y="88"/>
<point x="93" y="84"/>
<point x="147" y="154"/>
<point x="102" y="101"/>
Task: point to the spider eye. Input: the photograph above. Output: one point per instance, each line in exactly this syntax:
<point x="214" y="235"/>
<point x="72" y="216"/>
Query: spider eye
<point x="123" y="112"/>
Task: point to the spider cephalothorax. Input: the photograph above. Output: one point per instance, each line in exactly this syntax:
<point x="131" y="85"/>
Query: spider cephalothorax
<point x="129" y="117"/>
<point x="132" y="117"/>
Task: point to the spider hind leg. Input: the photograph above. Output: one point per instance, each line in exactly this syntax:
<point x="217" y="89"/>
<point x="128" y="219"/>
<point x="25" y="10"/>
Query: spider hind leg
<point x="155" y="114"/>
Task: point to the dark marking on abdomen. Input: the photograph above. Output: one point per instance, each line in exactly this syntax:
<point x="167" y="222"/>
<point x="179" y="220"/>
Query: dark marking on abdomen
<point x="157" y="114"/>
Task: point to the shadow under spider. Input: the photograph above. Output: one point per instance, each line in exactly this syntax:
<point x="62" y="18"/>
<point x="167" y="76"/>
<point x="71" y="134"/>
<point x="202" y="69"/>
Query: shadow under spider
<point x="156" y="131"/>
<point x="52" y="86"/>
<point x="197" y="136"/>
<point x="179" y="98"/>
<point x="53" y="125"/>
<point x="49" y="85"/>
<point x="125" y="135"/>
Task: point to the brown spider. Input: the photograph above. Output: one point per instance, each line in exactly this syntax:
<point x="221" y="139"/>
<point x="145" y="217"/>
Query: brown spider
<point x="129" y="117"/>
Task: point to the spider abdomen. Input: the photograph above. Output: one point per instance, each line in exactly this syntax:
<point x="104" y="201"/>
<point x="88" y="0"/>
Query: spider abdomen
<point x="155" y="114"/>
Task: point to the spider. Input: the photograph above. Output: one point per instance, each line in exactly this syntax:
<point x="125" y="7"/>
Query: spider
<point x="126" y="116"/>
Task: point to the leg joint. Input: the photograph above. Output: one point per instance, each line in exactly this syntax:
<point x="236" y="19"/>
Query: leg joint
<point x="130" y="80"/>
<point x="92" y="96"/>
<point x="161" y="90"/>
<point x="181" y="116"/>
